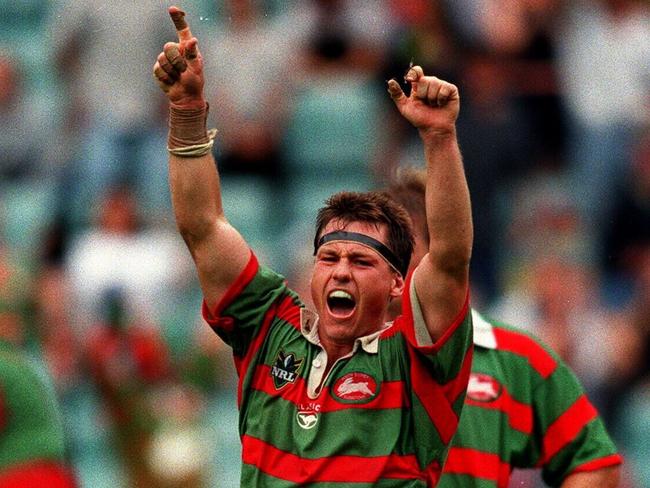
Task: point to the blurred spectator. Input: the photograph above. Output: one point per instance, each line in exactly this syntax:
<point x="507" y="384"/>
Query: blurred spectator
<point x="113" y="114"/>
<point x="552" y="287"/>
<point x="520" y="34"/>
<point x="558" y="300"/>
<point x="24" y="122"/>
<point x="62" y="355"/>
<point x="180" y="449"/>
<point x="129" y="362"/>
<point x="512" y="123"/>
<point x="14" y="280"/>
<point x="148" y="264"/>
<point x="54" y="330"/>
<point x="626" y="233"/>
<point x="255" y="53"/>
<point x="421" y="34"/>
<point x="337" y="110"/>
<point x="543" y="220"/>
<point x="604" y="64"/>
<point x="496" y="149"/>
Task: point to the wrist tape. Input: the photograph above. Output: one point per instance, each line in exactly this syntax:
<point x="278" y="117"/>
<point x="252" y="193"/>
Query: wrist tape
<point x="188" y="136"/>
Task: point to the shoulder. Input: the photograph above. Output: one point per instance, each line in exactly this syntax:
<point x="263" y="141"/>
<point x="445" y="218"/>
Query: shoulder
<point x="510" y="341"/>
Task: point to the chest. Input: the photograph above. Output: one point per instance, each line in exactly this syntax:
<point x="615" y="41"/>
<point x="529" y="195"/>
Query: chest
<point x="293" y="393"/>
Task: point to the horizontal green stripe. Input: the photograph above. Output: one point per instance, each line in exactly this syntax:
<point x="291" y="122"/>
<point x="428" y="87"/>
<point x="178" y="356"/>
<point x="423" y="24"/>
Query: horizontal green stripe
<point x="464" y="481"/>
<point x="556" y="394"/>
<point x="352" y="431"/>
<point x="489" y="431"/>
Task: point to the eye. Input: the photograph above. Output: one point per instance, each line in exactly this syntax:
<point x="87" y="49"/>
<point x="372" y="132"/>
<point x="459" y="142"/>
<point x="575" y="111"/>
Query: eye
<point x="328" y="258"/>
<point x="363" y="262"/>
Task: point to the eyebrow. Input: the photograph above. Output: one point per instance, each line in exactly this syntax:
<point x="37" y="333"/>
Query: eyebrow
<point x="364" y="252"/>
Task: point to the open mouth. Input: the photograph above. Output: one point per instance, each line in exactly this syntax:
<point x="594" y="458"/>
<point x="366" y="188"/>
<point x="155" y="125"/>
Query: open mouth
<point x="340" y="303"/>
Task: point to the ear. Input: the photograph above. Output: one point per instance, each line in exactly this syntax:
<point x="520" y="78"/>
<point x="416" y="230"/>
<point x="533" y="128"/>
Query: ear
<point x="397" y="285"/>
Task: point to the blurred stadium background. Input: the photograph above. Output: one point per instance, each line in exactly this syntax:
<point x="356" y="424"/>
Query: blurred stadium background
<point x="555" y="133"/>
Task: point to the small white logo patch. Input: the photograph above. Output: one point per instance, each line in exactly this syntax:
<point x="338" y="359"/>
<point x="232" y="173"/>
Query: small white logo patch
<point x="307" y="419"/>
<point x="355" y="387"/>
<point x="483" y="388"/>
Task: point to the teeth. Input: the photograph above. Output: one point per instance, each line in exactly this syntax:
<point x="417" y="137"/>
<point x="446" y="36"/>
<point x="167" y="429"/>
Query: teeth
<point x="340" y="294"/>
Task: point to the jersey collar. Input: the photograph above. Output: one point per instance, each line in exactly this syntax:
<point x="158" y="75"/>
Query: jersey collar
<point x="483" y="332"/>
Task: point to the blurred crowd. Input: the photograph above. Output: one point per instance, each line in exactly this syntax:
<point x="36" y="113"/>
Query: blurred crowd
<point x="555" y="135"/>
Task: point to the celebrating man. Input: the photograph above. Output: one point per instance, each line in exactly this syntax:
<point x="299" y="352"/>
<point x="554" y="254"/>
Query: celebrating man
<point x="336" y="395"/>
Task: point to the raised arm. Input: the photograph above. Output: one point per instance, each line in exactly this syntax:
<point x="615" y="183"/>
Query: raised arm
<point x="219" y="251"/>
<point x="442" y="277"/>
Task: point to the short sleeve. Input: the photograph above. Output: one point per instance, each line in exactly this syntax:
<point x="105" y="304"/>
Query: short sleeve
<point x="237" y="318"/>
<point x="572" y="436"/>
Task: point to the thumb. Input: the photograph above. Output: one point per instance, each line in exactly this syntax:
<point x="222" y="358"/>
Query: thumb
<point x="396" y="92"/>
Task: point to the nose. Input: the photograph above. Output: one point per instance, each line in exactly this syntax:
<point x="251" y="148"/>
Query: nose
<point x="341" y="271"/>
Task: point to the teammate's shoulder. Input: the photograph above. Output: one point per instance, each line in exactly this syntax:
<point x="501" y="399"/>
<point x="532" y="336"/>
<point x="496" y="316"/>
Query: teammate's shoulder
<point x="507" y="338"/>
<point x="499" y="326"/>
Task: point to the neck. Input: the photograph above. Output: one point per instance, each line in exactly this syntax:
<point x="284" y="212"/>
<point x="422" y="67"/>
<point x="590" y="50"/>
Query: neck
<point x="335" y="350"/>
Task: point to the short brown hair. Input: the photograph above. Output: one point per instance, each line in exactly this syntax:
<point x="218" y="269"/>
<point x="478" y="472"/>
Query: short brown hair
<point x="408" y="188"/>
<point x="372" y="207"/>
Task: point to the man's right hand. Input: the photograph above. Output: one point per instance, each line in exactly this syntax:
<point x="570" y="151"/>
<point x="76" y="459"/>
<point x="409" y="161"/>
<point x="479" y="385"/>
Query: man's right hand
<point x="179" y="68"/>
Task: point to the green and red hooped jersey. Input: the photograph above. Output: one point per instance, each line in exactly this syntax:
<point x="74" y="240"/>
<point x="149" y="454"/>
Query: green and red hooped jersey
<point x="524" y="409"/>
<point x="32" y="446"/>
<point x="384" y="416"/>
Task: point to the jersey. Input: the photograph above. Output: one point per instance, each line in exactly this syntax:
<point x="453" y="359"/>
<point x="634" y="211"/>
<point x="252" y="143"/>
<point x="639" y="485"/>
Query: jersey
<point x="524" y="409"/>
<point x="31" y="429"/>
<point x="382" y="417"/>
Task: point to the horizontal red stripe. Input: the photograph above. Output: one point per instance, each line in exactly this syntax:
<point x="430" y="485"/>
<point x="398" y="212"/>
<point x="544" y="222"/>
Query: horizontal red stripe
<point x="333" y="469"/>
<point x="484" y="465"/>
<point x="523" y="345"/>
<point x="520" y="415"/>
<point x="391" y="393"/>
<point x="38" y="474"/>
<point x="566" y="427"/>
<point x="603" y="462"/>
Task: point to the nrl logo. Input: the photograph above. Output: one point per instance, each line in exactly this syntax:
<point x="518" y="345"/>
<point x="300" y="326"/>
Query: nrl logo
<point x="285" y="369"/>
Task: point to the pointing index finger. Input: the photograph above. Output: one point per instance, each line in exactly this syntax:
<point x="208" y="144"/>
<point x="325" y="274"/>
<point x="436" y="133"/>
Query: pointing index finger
<point x="182" y="28"/>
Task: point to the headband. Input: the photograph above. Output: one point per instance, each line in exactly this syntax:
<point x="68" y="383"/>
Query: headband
<point x="368" y="241"/>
